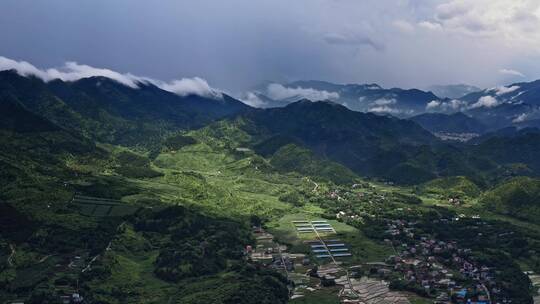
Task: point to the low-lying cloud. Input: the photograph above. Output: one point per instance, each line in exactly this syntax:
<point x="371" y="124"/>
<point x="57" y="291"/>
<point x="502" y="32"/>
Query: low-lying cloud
<point x="253" y="100"/>
<point x="279" y="92"/>
<point x="385" y="101"/>
<point x="453" y="105"/>
<point x="489" y="100"/>
<point x="72" y="71"/>
<point x="524" y="117"/>
<point x="385" y="109"/>
<point x="504" y="90"/>
<point x="189" y="86"/>
<point x="521" y="118"/>
<point x="486" y="102"/>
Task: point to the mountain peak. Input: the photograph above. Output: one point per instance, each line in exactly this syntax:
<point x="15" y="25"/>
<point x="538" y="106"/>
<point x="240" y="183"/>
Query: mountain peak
<point x="309" y="104"/>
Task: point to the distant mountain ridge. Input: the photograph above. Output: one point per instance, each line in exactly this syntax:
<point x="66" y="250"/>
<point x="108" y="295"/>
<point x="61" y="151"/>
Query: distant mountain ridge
<point x="370" y="145"/>
<point x="517" y="104"/>
<point x="99" y="109"/>
<point x="454" y="91"/>
<point x="450" y="123"/>
<point x="358" y="97"/>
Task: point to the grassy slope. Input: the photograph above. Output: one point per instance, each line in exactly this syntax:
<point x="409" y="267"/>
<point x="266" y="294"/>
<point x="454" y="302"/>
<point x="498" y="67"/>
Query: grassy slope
<point x="201" y="175"/>
<point x="518" y="198"/>
<point x="457" y="186"/>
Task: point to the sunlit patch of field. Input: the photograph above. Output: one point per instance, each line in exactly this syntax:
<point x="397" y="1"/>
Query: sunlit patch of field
<point x="362" y="248"/>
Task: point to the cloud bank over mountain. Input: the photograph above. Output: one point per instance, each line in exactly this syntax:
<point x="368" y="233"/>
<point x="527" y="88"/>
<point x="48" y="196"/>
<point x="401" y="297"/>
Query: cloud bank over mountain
<point x="279" y="92"/>
<point x="72" y="71"/>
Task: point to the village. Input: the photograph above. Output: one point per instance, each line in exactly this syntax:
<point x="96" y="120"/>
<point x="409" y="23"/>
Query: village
<point x="324" y="267"/>
<point x="437" y="268"/>
<point x="422" y="265"/>
<point x="438" y="271"/>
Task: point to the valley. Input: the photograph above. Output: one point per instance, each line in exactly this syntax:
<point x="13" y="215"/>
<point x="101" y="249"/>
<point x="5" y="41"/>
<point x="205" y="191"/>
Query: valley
<point x="310" y="203"/>
<point x="216" y="178"/>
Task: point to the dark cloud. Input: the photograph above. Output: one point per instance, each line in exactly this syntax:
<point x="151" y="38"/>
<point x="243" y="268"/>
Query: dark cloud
<point x="236" y="44"/>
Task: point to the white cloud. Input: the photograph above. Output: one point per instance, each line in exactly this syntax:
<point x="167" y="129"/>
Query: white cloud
<point x="434" y="104"/>
<point x="446" y="106"/>
<point x="515" y="21"/>
<point x="253" y="100"/>
<point x="511" y="72"/>
<point x="280" y="92"/>
<point x="189" y="86"/>
<point x="504" y="90"/>
<point x="485" y="101"/>
<point x="72" y="71"/>
<point x="385" y="109"/>
<point x="521" y="118"/>
<point x="385" y="101"/>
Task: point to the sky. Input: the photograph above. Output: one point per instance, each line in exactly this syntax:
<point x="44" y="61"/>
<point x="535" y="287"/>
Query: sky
<point x="234" y="45"/>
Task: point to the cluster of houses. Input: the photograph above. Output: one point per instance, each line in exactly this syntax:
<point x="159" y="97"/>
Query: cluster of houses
<point x="274" y="255"/>
<point x="456" y="201"/>
<point x="440" y="268"/>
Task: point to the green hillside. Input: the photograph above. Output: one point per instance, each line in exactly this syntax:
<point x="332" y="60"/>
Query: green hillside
<point x="42" y="170"/>
<point x="107" y="111"/>
<point x="451" y="187"/>
<point x="518" y="197"/>
<point x="291" y="158"/>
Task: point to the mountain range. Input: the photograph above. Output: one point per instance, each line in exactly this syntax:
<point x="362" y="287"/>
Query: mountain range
<point x="381" y="146"/>
<point x="357" y="97"/>
<point x="96" y="106"/>
<point x="453" y="91"/>
<point x="491" y="109"/>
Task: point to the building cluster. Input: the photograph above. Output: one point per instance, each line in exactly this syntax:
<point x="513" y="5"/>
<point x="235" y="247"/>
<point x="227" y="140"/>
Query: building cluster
<point x="437" y="268"/>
